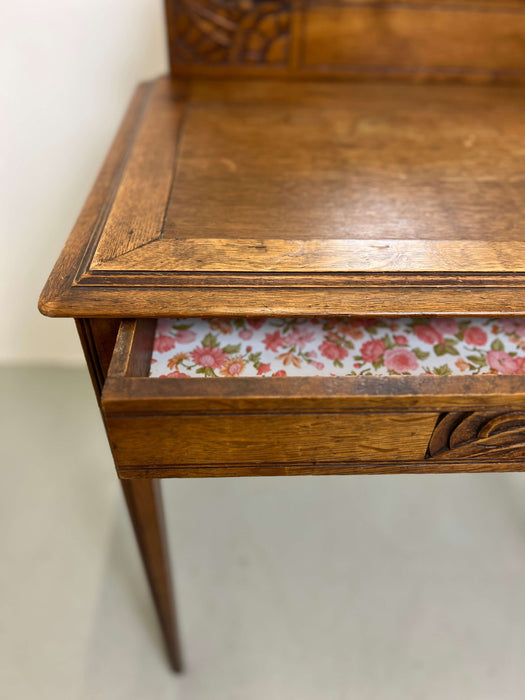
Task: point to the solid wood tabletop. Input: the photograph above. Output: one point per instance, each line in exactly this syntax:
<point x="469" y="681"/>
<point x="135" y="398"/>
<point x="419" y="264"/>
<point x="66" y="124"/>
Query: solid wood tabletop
<point x="224" y="196"/>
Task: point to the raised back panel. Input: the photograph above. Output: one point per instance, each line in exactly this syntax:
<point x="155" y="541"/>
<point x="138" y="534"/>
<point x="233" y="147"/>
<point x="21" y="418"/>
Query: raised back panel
<point x="423" y="39"/>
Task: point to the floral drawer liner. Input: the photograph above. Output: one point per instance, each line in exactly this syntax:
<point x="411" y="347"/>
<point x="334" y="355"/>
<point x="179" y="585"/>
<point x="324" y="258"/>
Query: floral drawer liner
<point x="299" y="347"/>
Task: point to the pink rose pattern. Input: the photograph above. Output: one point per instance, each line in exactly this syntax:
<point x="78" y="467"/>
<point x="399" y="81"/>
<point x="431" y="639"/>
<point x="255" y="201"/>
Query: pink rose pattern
<point x="286" y="347"/>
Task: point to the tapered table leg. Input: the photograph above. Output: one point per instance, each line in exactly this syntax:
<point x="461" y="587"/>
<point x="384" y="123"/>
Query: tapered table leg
<point x="143" y="496"/>
<point x="144" y="501"/>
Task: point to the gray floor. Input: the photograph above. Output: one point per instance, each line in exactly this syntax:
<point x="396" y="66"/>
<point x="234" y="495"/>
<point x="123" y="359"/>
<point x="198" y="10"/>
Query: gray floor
<point x="336" y="588"/>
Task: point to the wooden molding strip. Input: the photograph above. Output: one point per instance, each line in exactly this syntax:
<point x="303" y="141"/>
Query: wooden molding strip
<point x="333" y="255"/>
<point x="137" y="215"/>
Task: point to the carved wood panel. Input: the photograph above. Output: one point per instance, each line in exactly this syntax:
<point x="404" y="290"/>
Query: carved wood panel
<point x="476" y="40"/>
<point x="478" y="435"/>
<point x="230" y="32"/>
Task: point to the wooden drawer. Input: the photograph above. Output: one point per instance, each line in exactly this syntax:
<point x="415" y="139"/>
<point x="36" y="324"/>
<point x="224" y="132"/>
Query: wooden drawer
<point x="280" y="425"/>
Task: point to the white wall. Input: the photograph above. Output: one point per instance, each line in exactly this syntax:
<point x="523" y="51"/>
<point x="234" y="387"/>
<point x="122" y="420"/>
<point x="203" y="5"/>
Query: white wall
<point x="67" y="71"/>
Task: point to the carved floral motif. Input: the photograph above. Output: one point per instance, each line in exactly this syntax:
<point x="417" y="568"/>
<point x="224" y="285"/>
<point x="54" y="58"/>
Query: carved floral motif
<point x="232" y="32"/>
<point x="480" y="434"/>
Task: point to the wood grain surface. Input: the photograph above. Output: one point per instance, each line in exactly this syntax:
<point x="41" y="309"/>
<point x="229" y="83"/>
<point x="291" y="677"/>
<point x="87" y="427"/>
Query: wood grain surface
<point x="100" y="343"/>
<point x="400" y="162"/>
<point x="295" y="195"/>
<point x="451" y="39"/>
<point x="137" y="215"/>
<point x="305" y="424"/>
<point x="355" y="468"/>
<point x="334" y="255"/>
<point x="313" y="438"/>
<point x="467" y="40"/>
<point x="145" y="507"/>
<point x="302" y="199"/>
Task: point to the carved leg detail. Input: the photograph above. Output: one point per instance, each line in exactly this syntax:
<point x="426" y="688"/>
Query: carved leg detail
<point x="144" y="501"/>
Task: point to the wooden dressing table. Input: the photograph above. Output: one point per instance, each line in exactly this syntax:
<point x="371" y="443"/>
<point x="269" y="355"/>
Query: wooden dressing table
<point x="306" y="159"/>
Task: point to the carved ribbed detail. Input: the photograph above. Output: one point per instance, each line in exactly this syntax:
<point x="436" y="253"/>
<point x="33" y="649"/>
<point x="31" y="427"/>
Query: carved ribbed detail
<point x="480" y="435"/>
<point x="232" y="32"/>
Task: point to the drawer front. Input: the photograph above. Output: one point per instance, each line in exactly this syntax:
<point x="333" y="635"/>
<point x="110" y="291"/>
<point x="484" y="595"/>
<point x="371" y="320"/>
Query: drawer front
<point x="275" y="439"/>
<point x="252" y="426"/>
